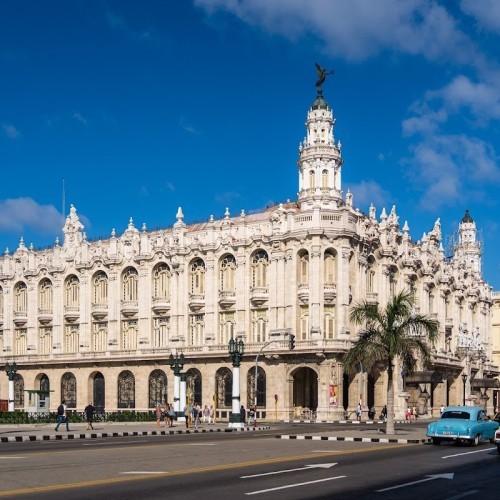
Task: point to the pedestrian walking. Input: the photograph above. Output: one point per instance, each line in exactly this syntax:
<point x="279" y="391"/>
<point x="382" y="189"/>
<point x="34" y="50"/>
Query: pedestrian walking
<point x="359" y="411"/>
<point x="187" y="414"/>
<point x="384" y="412"/>
<point x="252" y="416"/>
<point x="243" y="414"/>
<point x="206" y="415"/>
<point x="89" y="415"/>
<point x="211" y="415"/>
<point x="408" y="413"/>
<point x="62" y="416"/>
<point x="158" y="416"/>
<point x="172" y="415"/>
<point x="441" y="410"/>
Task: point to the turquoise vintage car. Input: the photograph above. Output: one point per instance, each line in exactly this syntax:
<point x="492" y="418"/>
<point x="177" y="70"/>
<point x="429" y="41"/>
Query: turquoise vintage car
<point x="462" y="424"/>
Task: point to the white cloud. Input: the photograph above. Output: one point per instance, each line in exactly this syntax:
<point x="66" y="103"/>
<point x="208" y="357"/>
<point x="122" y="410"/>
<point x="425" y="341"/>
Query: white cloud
<point x="486" y="12"/>
<point x="357" y="29"/>
<point x="10" y="131"/>
<point x="79" y="118"/>
<point x="366" y="192"/>
<point x="227" y="197"/>
<point x="452" y="168"/>
<point x="19" y="214"/>
<point x="188" y="127"/>
<point x="170" y="187"/>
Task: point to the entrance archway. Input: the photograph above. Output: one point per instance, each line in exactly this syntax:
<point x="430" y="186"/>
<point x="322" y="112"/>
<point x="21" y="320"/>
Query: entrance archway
<point x="305" y="388"/>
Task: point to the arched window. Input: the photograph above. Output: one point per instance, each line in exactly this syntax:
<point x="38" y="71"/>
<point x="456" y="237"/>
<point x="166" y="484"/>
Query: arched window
<point x="370" y="276"/>
<point x="129" y="334"/>
<point x="259" y="325"/>
<point x="100" y="289"/>
<point x="45" y="296"/>
<point x="130" y="284"/>
<point x="193" y="386"/>
<point x="68" y="389"/>
<point x="197" y="277"/>
<point x="227" y="273"/>
<point x="161" y="282"/>
<point x="161" y="328"/>
<point x="324" y="179"/>
<point x="44" y="383"/>
<point x="226" y="327"/>
<point x="330" y="268"/>
<point x="21" y="298"/>
<point x="197" y="329"/>
<point x="224" y="387"/>
<point x="126" y="390"/>
<point x="21" y="341"/>
<point x="99" y="337"/>
<point x="304" y="322"/>
<point x="261" y="387"/>
<point x="329" y="321"/>
<point x="18" y="391"/>
<point x="303" y="269"/>
<point x="71" y="338"/>
<point x="312" y="180"/>
<point x="45" y="340"/>
<point x="72" y="292"/>
<point x="260" y="262"/>
<point x="157" y="388"/>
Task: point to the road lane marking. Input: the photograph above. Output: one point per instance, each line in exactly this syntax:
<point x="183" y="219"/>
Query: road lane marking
<point x="8" y="458"/>
<point x="326" y="451"/>
<point x="463" y="495"/>
<point x="102" y="443"/>
<point x="200" y="444"/>
<point x="468" y="453"/>
<point x="428" y="478"/>
<point x="294" y="485"/>
<point x="313" y="466"/>
<point x="109" y="481"/>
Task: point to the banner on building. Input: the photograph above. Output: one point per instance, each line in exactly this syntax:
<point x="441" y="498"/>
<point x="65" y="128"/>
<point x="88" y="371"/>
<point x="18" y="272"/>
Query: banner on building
<point x="334" y="392"/>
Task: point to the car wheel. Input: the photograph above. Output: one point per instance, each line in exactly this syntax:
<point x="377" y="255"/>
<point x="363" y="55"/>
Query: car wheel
<point x="475" y="441"/>
<point x="436" y="441"/>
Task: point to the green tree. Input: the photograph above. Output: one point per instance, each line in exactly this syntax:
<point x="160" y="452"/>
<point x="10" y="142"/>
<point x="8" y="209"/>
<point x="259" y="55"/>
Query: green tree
<point x="388" y="333"/>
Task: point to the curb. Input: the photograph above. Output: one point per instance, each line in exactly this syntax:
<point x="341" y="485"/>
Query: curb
<point x="355" y="422"/>
<point x="356" y="439"/>
<point x="95" y="435"/>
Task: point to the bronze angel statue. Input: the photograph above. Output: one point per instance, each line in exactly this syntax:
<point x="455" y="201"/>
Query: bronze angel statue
<point x="322" y="74"/>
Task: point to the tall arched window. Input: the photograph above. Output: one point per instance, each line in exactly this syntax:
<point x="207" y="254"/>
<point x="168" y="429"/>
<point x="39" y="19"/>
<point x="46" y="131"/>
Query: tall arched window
<point x="71" y="338"/>
<point x="330" y="267"/>
<point x="370" y="275"/>
<point x="161" y="282"/>
<point x="68" y="389"/>
<point x="130" y="284"/>
<point x="329" y="321"/>
<point x="21" y="298"/>
<point x="45" y="296"/>
<point x="197" y="277"/>
<point x="193" y="386"/>
<point x="303" y="268"/>
<point x="260" y="262"/>
<point x="72" y="292"/>
<point x="227" y="273"/>
<point x="100" y="289"/>
<point x="304" y="322"/>
<point x="261" y="387"/>
<point x="324" y="179"/>
<point x="44" y="383"/>
<point x="312" y="180"/>
<point x="129" y="334"/>
<point x="126" y="390"/>
<point x="161" y="328"/>
<point x="157" y="388"/>
<point x="224" y="387"/>
<point x="45" y="340"/>
<point x="21" y="341"/>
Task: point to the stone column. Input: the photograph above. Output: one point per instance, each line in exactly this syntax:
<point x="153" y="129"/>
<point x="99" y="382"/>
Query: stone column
<point x="235" y="420"/>
<point x="183" y="401"/>
<point x="315" y="292"/>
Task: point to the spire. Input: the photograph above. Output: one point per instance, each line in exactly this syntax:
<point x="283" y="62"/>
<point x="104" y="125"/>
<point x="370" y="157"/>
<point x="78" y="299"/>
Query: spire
<point x="467" y="218"/>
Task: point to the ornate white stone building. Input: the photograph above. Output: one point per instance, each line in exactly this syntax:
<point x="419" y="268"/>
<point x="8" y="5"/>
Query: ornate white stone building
<point x="96" y="321"/>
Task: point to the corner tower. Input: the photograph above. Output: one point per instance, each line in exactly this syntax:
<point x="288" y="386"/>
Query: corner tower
<point x="320" y="162"/>
<point x="468" y="247"/>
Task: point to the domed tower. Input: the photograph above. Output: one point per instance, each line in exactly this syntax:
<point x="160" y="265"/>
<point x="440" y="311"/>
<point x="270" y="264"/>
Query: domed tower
<point x="320" y="162"/>
<point x="468" y="247"/>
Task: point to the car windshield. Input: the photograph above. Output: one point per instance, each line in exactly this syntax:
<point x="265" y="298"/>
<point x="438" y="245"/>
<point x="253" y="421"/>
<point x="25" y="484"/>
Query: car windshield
<point x="456" y="414"/>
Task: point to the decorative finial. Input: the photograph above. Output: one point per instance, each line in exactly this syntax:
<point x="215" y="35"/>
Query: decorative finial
<point x="179" y="214"/>
<point x="226" y="213"/>
<point x="144" y="228"/>
<point x="322" y="74"/>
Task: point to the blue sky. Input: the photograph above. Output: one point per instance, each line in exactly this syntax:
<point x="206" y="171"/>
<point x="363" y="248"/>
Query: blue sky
<point x="144" y="107"/>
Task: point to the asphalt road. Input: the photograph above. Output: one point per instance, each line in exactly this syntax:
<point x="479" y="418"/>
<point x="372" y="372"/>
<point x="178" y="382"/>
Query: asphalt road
<point x="243" y="465"/>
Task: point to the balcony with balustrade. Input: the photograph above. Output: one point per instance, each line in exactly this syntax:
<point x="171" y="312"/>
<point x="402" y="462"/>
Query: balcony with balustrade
<point x="45" y="316"/>
<point x="129" y="308"/>
<point x="330" y="292"/>
<point x="196" y="301"/>
<point x="372" y="298"/>
<point x="20" y="318"/>
<point x="99" y="311"/>
<point x="161" y="305"/>
<point x="71" y="313"/>
<point x="227" y="298"/>
<point x="259" y="295"/>
<point x="303" y="292"/>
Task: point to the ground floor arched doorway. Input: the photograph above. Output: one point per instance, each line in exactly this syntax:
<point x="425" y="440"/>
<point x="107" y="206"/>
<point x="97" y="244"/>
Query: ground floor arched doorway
<point x="99" y="392"/>
<point x="305" y="388"/>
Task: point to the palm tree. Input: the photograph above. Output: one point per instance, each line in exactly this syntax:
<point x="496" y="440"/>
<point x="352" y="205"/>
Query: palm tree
<point x="389" y="333"/>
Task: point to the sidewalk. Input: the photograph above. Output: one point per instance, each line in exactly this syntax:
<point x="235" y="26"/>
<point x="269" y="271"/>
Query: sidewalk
<point x="46" y="432"/>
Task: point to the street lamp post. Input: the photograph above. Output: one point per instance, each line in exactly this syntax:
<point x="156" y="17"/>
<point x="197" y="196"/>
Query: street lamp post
<point x="236" y="350"/>
<point x="176" y="364"/>
<point x="464" y="379"/>
<point x="10" y="370"/>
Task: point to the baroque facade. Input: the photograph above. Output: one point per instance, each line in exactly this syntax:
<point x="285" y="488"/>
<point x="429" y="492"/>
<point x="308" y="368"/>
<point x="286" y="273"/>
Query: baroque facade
<point x="96" y="321"/>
